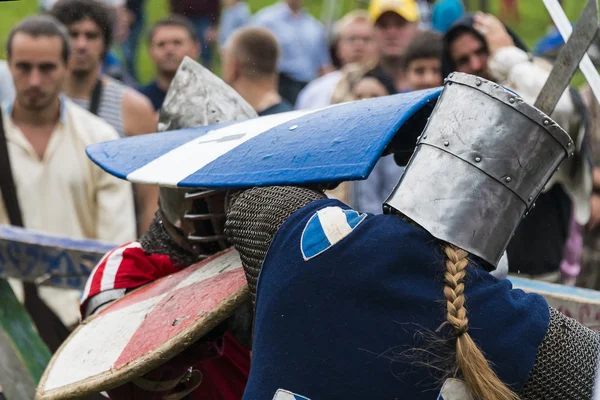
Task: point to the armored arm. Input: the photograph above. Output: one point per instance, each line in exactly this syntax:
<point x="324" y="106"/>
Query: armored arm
<point x="254" y="217"/>
<point x="566" y="362"/>
<point x="155" y="241"/>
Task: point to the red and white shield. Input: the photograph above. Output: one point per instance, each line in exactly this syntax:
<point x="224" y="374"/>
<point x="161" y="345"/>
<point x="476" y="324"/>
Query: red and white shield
<point x="145" y="328"/>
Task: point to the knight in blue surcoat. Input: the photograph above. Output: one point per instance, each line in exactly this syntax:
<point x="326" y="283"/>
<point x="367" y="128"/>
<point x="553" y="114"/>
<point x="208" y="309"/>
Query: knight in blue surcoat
<point x="403" y="305"/>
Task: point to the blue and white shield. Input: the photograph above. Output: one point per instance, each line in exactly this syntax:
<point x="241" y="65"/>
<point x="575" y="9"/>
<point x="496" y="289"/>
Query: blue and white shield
<point x="334" y="144"/>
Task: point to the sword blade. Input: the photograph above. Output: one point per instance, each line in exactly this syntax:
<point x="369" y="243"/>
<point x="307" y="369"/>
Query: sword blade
<point x="569" y="57"/>
<point x="564" y="27"/>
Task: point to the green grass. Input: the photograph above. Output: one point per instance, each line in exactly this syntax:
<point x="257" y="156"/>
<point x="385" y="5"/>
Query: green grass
<point x="535" y="19"/>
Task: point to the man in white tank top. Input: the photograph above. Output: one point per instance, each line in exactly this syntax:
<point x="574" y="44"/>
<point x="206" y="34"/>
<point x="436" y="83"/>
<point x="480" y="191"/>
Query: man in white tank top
<point x="90" y="26"/>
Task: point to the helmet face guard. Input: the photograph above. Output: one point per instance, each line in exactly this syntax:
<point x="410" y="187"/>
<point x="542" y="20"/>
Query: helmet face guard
<point x="480" y="163"/>
<point x="194" y="220"/>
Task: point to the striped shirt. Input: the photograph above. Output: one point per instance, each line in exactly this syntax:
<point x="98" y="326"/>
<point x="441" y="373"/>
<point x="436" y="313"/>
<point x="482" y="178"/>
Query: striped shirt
<point x="111" y="104"/>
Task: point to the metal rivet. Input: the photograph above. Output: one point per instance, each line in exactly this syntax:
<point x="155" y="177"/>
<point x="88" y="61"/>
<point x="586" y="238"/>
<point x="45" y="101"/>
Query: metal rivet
<point x="478" y="82"/>
<point x="425" y="137"/>
<point x="508" y="179"/>
<point x="530" y="198"/>
<point x="477" y="159"/>
<point x="511" y="100"/>
<point x="546" y="121"/>
<point x="451" y="75"/>
<point x="446" y="144"/>
<point x="569" y="144"/>
<point x="293" y="127"/>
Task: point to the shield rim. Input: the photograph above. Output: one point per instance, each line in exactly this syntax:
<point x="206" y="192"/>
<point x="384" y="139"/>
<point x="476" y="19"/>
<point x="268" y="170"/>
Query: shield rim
<point x="113" y="378"/>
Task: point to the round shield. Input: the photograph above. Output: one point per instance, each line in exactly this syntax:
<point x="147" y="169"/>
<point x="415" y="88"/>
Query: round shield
<point x="145" y="328"/>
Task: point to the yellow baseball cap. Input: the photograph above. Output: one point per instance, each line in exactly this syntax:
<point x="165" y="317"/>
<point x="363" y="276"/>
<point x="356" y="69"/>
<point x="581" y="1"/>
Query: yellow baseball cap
<point x="407" y="9"/>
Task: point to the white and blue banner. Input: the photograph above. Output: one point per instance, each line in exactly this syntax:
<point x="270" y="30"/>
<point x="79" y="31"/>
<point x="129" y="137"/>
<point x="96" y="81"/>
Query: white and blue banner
<point x="49" y="259"/>
<point x="333" y="144"/>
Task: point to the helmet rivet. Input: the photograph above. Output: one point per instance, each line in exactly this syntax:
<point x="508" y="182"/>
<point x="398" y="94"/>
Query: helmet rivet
<point x="569" y="144"/>
<point x="530" y="198"/>
<point x="478" y="82"/>
<point x="546" y="122"/>
<point x="293" y="127"/>
<point x="446" y="144"/>
<point x="424" y="136"/>
<point x="508" y="179"/>
<point x="511" y="100"/>
<point x="477" y="159"/>
<point x="451" y="75"/>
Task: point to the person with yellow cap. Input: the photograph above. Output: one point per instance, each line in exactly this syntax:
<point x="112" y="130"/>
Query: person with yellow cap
<point x="396" y="23"/>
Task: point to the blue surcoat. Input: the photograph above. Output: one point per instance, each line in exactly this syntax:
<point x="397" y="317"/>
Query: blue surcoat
<point x="342" y="305"/>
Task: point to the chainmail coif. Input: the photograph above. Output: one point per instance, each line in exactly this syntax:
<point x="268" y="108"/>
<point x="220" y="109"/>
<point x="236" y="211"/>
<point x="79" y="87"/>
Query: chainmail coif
<point x="566" y="362"/>
<point x="157" y="241"/>
<point x="254" y="217"/>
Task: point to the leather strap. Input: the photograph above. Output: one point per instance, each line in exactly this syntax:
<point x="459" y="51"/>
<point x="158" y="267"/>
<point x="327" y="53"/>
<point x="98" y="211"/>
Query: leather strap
<point x="95" y="99"/>
<point x="7" y="184"/>
<point x="191" y="380"/>
<point x="192" y="384"/>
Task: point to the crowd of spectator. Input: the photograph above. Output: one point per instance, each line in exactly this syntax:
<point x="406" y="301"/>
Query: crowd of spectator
<point x="62" y="88"/>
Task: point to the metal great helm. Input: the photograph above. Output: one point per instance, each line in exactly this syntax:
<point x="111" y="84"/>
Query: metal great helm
<point x="195" y="219"/>
<point x="479" y="165"/>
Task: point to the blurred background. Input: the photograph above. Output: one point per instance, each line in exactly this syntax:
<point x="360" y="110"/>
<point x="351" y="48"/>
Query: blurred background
<point x="533" y="25"/>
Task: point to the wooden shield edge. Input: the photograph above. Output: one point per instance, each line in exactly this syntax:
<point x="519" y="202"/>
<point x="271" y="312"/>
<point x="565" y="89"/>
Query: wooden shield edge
<point x="145" y="364"/>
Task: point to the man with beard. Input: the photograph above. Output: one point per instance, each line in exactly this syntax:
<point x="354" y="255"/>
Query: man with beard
<point x="169" y="41"/>
<point x="396" y="24"/>
<point x="58" y="190"/>
<point x="90" y="25"/>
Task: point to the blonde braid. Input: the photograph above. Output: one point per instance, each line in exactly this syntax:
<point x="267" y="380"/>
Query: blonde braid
<point x="479" y="377"/>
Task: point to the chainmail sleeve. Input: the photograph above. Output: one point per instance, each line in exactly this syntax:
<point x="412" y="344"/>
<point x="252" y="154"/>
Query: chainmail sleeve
<point x="566" y="362"/>
<point x="254" y="217"/>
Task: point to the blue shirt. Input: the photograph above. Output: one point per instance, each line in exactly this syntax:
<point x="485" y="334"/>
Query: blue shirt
<point x="302" y="38"/>
<point x="336" y="321"/>
<point x="7" y="90"/>
<point x="154" y="93"/>
<point x="232" y="18"/>
<point x="282" y="106"/>
<point x="368" y="195"/>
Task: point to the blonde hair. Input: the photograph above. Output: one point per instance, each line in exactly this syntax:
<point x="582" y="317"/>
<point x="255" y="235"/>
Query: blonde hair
<point x="353" y="17"/>
<point x="471" y="364"/>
